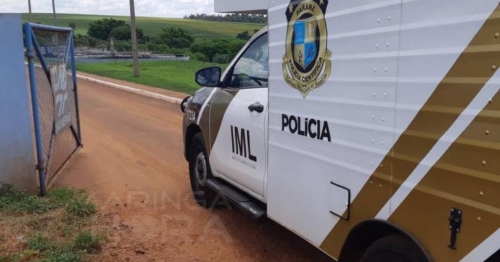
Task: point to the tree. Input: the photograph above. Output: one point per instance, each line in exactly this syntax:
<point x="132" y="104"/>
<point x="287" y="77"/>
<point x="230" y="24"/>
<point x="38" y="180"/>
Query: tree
<point x="72" y="25"/>
<point x="207" y="48"/>
<point x="121" y="33"/>
<point x="140" y="34"/>
<point x="124" y="33"/>
<point x="175" y="37"/>
<point x="109" y="27"/>
<point x="101" y="29"/>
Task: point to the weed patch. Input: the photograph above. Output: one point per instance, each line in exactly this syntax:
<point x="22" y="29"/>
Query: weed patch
<point x="88" y="242"/>
<point x="54" y="228"/>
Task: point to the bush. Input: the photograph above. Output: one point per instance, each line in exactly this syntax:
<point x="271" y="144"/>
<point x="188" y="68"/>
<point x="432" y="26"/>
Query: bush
<point x="162" y="49"/>
<point x="175" y="37"/>
<point x="197" y="56"/>
<point x="151" y="47"/>
<point x="218" y="47"/>
<point x="221" y="58"/>
<point x="178" y="51"/>
<point x="123" y="46"/>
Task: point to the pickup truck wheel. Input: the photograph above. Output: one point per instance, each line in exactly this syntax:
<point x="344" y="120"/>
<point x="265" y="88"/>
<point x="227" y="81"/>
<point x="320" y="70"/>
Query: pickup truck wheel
<point x="199" y="172"/>
<point x="393" y="248"/>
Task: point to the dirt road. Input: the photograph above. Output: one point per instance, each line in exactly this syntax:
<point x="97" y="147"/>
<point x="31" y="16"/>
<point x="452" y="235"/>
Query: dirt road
<point x="132" y="164"/>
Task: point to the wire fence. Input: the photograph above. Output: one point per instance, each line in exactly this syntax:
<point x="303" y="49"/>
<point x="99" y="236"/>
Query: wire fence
<point x="53" y="85"/>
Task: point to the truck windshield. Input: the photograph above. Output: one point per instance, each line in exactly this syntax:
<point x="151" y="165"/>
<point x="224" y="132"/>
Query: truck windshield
<point x="252" y="69"/>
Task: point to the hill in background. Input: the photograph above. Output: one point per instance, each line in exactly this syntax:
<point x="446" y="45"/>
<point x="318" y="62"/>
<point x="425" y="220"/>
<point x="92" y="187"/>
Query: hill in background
<point x="153" y="26"/>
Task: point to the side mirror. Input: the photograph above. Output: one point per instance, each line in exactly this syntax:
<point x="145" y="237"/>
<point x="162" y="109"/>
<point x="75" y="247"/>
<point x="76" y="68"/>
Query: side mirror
<point x="208" y="77"/>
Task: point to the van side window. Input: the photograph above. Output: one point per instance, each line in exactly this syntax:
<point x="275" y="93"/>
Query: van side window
<point x="252" y="68"/>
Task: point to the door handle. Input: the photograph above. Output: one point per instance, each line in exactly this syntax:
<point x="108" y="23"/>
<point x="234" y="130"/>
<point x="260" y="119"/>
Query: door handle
<point x="256" y="107"/>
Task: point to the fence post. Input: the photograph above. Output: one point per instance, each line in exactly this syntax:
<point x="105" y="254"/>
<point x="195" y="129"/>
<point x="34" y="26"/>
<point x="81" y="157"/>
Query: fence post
<point x="30" y="54"/>
<point x="73" y="72"/>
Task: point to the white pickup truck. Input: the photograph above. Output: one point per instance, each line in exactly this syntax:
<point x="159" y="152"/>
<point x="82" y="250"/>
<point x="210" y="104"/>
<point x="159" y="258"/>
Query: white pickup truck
<point x="369" y="128"/>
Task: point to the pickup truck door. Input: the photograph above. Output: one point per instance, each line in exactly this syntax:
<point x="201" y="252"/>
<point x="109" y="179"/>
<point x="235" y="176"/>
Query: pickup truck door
<point x="238" y="121"/>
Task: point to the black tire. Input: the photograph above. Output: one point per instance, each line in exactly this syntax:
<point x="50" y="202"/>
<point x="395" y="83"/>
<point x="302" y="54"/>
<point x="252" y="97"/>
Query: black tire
<point x="203" y="195"/>
<point x="394" y="248"/>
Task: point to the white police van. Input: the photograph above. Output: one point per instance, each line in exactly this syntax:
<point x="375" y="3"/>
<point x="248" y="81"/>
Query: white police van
<point x="369" y="128"/>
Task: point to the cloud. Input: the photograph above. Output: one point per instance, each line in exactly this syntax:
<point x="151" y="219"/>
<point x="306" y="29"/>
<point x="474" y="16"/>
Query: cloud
<point x="154" y="8"/>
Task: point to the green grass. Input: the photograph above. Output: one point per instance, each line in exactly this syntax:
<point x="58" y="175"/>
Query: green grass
<point x="74" y="202"/>
<point x="152" y="26"/>
<point x="172" y="75"/>
<point x="40" y="243"/>
<point x="88" y="242"/>
<point x="12" y="200"/>
<point x="55" y="228"/>
<point x="84" y="243"/>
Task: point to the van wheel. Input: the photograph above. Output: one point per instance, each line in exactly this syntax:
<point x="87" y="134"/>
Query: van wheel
<point x="199" y="172"/>
<point x="394" y="248"/>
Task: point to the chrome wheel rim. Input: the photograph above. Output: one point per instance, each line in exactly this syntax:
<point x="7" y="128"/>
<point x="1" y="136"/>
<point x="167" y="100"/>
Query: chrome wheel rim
<point x="200" y="169"/>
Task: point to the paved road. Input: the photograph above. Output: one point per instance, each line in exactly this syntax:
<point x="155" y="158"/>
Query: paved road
<point x="132" y="165"/>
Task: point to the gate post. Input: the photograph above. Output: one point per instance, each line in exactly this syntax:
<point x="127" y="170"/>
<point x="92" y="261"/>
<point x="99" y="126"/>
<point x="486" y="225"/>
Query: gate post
<point x="73" y="70"/>
<point x="30" y="54"/>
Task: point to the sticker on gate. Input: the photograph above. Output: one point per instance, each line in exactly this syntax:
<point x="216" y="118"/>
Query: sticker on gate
<point x="62" y="92"/>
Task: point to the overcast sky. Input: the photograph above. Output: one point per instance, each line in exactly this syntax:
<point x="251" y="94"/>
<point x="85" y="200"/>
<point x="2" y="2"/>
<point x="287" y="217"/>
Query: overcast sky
<point x="158" y="8"/>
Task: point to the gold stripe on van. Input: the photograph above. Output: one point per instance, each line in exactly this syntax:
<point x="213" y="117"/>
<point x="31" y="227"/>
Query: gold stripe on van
<point x="472" y="70"/>
<point x="220" y="102"/>
<point x="467" y="177"/>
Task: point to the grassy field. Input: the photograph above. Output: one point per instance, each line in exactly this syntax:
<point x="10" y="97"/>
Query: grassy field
<point x="172" y="75"/>
<point x="176" y="76"/>
<point x="152" y="26"/>
<point x="58" y="227"/>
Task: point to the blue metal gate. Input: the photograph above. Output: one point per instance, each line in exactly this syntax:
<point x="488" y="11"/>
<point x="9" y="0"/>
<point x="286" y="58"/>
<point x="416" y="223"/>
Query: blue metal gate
<point x="52" y="78"/>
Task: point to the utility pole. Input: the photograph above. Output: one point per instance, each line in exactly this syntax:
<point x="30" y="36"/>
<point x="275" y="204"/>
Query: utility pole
<point x="29" y="7"/>
<point x="54" y="11"/>
<point x="55" y="23"/>
<point x="134" y="39"/>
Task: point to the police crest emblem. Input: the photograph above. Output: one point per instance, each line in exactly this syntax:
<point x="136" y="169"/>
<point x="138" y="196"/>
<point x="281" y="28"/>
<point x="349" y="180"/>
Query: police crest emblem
<point x="306" y="64"/>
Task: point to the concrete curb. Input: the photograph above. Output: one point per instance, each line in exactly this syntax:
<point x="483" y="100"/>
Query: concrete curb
<point x="165" y="98"/>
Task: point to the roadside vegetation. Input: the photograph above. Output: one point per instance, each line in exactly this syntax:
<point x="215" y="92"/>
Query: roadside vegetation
<point x="56" y="228"/>
<point x="152" y="26"/>
<point x="238" y="17"/>
<point x="207" y="40"/>
<point x="170" y="40"/>
<point x="173" y="75"/>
